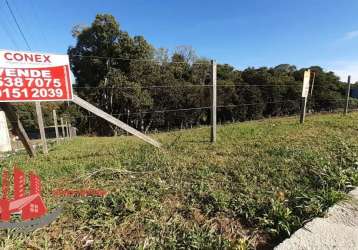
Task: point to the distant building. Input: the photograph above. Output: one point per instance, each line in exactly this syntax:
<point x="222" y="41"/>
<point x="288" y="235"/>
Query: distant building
<point x="354" y="93"/>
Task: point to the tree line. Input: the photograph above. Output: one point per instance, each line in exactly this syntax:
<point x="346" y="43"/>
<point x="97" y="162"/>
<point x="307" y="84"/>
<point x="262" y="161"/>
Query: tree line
<point x="152" y="89"/>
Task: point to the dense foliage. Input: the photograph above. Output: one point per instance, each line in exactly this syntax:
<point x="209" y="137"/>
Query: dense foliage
<point x="152" y="89"/>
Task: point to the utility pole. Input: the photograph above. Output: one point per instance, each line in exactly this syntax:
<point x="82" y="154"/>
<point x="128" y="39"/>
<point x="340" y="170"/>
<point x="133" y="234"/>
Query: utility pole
<point x="347" y="96"/>
<point x="213" y="100"/>
<point x="40" y="122"/>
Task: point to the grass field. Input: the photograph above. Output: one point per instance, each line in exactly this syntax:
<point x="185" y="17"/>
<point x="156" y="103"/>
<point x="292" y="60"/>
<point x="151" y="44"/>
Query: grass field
<point x="257" y="185"/>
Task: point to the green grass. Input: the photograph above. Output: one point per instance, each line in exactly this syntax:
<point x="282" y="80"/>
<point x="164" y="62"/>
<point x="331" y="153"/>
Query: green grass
<point x="256" y="186"/>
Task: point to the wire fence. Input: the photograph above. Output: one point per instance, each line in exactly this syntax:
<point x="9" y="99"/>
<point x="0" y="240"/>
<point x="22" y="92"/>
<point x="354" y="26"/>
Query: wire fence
<point x="129" y="116"/>
<point x="161" y="116"/>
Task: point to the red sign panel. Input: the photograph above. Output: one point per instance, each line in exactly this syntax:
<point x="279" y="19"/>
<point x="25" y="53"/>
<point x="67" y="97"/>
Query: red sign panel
<point x="27" y="76"/>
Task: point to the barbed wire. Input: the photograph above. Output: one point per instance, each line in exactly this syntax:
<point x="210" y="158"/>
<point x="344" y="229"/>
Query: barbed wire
<point x="186" y="86"/>
<point x="191" y="109"/>
<point x="175" y="110"/>
<point x="69" y="117"/>
<point x="208" y="107"/>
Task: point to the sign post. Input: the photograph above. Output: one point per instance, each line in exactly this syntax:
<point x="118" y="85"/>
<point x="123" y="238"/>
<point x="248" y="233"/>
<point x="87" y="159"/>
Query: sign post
<point x="305" y="90"/>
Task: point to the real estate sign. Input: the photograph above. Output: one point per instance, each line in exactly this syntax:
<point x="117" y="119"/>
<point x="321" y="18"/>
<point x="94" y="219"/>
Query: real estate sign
<point x="28" y="76"/>
<point x="306" y="83"/>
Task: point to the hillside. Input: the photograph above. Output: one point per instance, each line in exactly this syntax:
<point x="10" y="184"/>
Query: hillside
<point x="259" y="183"/>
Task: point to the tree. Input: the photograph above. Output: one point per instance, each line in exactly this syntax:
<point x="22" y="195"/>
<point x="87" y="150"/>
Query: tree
<point x="101" y="65"/>
<point x="150" y="89"/>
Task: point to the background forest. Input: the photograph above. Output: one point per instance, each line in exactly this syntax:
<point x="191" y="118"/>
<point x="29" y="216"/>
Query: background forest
<point x="152" y="89"/>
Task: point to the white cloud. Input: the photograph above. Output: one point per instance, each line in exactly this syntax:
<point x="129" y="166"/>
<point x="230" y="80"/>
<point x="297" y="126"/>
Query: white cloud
<point x="345" y="68"/>
<point x="351" y="35"/>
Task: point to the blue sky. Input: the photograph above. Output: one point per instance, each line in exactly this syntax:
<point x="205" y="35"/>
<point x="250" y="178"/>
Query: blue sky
<point x="239" y="32"/>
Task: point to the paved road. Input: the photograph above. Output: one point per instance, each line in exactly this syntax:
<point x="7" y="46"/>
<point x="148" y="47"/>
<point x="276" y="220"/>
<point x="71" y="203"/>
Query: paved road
<point x="338" y="230"/>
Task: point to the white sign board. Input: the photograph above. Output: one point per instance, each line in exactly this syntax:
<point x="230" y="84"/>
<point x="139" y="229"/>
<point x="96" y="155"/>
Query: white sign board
<point x="29" y="77"/>
<point x="5" y="143"/>
<point x="306" y="83"/>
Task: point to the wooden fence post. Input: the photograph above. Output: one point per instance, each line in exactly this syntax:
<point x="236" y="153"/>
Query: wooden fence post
<point x="67" y="130"/>
<point x="213" y="101"/>
<point x="41" y="127"/>
<point x="70" y="129"/>
<point x="347" y="96"/>
<point x="63" y="128"/>
<point x="55" y="124"/>
<point x="303" y="109"/>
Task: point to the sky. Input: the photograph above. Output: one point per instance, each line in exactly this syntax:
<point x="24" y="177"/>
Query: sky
<point x="242" y="33"/>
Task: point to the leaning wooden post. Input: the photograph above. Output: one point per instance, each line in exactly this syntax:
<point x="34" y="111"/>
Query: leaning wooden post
<point x="305" y="89"/>
<point x="213" y="101"/>
<point x="86" y="105"/>
<point x="19" y="130"/>
<point x="40" y="122"/>
<point x="55" y="124"/>
<point x="63" y="128"/>
<point x="313" y="82"/>
<point x="347" y="96"/>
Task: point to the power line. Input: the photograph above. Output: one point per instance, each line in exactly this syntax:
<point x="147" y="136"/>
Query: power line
<point x="9" y="35"/>
<point x="35" y="10"/>
<point x="17" y="24"/>
<point x="7" y="31"/>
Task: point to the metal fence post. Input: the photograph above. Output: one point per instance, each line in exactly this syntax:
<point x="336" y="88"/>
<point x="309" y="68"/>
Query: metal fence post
<point x="347" y="96"/>
<point x="213" y="100"/>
